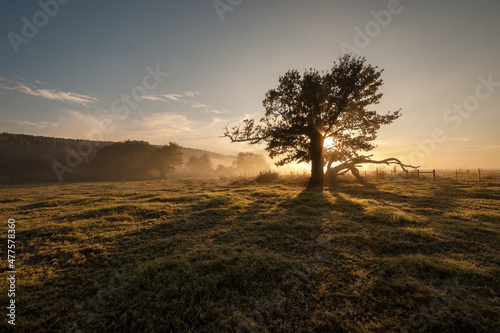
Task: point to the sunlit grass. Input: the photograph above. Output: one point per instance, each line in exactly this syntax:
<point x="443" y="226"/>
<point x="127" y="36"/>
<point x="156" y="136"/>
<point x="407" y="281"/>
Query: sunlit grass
<point x="204" y="255"/>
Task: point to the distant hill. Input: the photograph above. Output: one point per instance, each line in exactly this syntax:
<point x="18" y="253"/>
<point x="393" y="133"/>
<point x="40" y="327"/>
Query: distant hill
<point x="29" y="158"/>
<point x="216" y="158"/>
<point x="19" y="146"/>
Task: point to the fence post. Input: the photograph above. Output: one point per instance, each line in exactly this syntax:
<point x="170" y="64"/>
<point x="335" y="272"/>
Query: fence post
<point x="418" y="174"/>
<point x="434" y="174"/>
<point x="406" y="171"/>
<point x="479" y="170"/>
<point x="456" y="174"/>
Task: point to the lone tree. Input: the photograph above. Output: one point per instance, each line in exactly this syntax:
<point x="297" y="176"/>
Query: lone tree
<point x="304" y="111"/>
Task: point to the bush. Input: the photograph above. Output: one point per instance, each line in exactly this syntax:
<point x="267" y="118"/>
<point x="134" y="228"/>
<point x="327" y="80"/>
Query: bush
<point x="267" y="177"/>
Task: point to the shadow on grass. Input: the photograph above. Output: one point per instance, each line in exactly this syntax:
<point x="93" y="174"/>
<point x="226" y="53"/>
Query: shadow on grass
<point x="428" y="198"/>
<point x="260" y="267"/>
<point x="250" y="266"/>
<point x="423" y="222"/>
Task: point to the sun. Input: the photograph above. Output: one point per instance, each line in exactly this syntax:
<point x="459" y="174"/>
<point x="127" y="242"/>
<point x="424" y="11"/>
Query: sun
<point x="328" y="142"/>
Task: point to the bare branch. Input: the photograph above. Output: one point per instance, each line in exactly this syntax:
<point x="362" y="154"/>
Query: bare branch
<point x="352" y="165"/>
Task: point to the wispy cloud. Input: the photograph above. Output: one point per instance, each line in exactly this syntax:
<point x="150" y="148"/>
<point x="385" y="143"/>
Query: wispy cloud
<point x="205" y="108"/>
<point x="68" y="123"/>
<point x="43" y="124"/>
<point x="153" y="98"/>
<point x="164" y="98"/>
<point x="51" y="94"/>
<point x="198" y="105"/>
<point x="191" y="93"/>
<point x="165" y="123"/>
<point x="186" y="99"/>
<point x="172" y="97"/>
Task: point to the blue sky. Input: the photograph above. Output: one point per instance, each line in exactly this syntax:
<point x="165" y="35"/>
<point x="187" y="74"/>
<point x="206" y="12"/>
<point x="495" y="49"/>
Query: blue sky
<point x="222" y="56"/>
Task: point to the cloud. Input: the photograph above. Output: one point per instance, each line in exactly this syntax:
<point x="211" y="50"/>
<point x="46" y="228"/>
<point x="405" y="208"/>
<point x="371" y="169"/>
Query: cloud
<point x="205" y="107"/>
<point x="191" y="93"/>
<point x="164" y="123"/>
<point x="74" y="124"/>
<point x="164" y="98"/>
<point x="216" y="120"/>
<point x="68" y="123"/>
<point x="51" y="94"/>
<point x="172" y="97"/>
<point x="197" y="105"/>
<point x="154" y="98"/>
<point x="184" y="99"/>
<point x="43" y="124"/>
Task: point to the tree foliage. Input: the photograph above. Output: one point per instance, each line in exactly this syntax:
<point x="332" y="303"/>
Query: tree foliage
<point x="200" y="166"/>
<point x="250" y="163"/>
<point x="167" y="158"/>
<point x="132" y="160"/>
<point x="29" y="158"/>
<point x="122" y="160"/>
<point x="306" y="109"/>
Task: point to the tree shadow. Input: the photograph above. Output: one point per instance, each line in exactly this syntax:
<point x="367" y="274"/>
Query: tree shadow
<point x="441" y="196"/>
<point x="344" y="205"/>
<point x="292" y="228"/>
<point x="290" y="231"/>
<point x="424" y="218"/>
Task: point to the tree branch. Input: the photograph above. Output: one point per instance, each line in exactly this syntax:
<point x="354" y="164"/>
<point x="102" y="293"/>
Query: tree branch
<point x="352" y="166"/>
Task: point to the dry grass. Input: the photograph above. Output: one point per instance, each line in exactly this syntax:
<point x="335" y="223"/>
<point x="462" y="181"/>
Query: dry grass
<point x="205" y="256"/>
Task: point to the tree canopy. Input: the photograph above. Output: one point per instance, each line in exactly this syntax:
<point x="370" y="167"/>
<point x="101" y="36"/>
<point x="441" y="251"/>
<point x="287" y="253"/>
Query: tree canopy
<point x="167" y="158"/>
<point x="306" y="109"/>
<point x="29" y="158"/>
<point x="250" y="163"/>
<point x="200" y="166"/>
<point x="132" y="160"/>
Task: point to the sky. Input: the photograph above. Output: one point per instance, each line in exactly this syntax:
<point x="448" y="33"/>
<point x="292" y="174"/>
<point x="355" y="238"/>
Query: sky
<point x="181" y="71"/>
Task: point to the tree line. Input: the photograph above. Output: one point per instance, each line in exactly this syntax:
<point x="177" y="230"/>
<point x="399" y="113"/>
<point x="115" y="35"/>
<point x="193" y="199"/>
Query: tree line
<point x="29" y="158"/>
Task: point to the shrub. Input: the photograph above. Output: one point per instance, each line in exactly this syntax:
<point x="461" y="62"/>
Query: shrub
<point x="267" y="177"/>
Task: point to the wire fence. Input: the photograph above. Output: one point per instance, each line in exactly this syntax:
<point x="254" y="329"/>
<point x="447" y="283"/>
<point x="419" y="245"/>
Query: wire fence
<point x="434" y="174"/>
<point x="382" y="173"/>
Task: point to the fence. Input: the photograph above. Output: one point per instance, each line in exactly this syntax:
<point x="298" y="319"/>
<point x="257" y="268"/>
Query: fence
<point x="434" y="174"/>
<point x="471" y="175"/>
<point x="417" y="174"/>
<point x="393" y="173"/>
<point x="468" y="173"/>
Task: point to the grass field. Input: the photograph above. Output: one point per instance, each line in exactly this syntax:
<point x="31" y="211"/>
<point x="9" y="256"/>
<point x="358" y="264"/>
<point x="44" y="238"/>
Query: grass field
<point x="210" y="256"/>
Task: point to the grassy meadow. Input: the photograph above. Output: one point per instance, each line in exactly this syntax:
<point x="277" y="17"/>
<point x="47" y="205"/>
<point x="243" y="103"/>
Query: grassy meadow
<point x="202" y="255"/>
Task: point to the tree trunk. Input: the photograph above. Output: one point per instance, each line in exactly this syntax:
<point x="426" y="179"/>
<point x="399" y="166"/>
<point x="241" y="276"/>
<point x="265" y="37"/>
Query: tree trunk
<point x="317" y="163"/>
